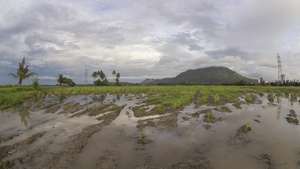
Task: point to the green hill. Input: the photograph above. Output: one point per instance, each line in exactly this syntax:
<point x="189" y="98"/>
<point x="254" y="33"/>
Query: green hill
<point x="208" y="75"/>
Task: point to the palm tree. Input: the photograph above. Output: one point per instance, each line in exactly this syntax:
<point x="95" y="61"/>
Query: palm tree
<point x="94" y="75"/>
<point x="117" y="79"/>
<point x="114" y="73"/>
<point x="102" y="75"/>
<point x="60" y="79"/>
<point x="22" y="72"/>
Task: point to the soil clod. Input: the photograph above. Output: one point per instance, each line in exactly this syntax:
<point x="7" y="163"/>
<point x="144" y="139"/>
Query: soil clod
<point x="292" y="118"/>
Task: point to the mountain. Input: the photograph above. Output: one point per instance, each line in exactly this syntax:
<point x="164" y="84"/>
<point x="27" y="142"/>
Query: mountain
<point x="208" y="75"/>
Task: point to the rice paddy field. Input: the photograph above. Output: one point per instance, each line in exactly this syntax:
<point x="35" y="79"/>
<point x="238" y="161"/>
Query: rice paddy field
<point x="147" y="127"/>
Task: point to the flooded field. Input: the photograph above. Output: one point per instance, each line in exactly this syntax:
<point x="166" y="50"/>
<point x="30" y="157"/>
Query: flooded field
<point x="119" y="131"/>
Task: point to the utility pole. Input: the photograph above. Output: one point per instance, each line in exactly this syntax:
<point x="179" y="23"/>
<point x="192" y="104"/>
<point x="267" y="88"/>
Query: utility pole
<point x="86" y="73"/>
<point x="279" y="69"/>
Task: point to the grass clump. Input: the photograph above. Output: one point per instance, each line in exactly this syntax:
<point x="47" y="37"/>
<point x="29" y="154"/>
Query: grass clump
<point x="248" y="98"/>
<point x="245" y="128"/>
<point x="10" y="100"/>
<point x="216" y="97"/>
<point x="271" y="97"/>
<point x="143" y="139"/>
<point x="209" y="117"/>
<point x="35" y="83"/>
<point x="294" y="96"/>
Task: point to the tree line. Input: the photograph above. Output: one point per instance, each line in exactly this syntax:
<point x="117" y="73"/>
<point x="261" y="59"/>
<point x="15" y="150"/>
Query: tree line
<point x="102" y="80"/>
<point x="23" y="73"/>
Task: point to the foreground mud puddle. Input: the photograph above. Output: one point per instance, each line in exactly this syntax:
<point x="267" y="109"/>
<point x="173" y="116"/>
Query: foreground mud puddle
<point x="102" y="131"/>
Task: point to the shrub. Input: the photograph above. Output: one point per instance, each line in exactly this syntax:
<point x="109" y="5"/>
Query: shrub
<point x="35" y="83"/>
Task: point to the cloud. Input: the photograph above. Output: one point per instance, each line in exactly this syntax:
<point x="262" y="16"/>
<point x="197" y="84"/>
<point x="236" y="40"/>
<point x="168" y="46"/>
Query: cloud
<point x="149" y="38"/>
<point x="47" y="77"/>
<point x="228" y="51"/>
<point x="5" y="63"/>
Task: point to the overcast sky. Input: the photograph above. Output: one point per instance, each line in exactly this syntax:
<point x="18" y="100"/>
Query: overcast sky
<point x="148" y="38"/>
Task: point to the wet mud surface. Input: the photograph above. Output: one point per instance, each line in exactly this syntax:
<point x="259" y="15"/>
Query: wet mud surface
<point x="124" y="131"/>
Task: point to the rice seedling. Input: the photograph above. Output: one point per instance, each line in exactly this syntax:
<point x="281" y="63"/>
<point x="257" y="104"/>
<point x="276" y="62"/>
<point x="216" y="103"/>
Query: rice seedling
<point x="271" y="97"/>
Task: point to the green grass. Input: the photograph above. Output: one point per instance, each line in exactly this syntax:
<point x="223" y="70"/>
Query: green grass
<point x="10" y="100"/>
<point x="271" y="97"/>
<point x="166" y="98"/>
<point x="143" y="138"/>
<point x="209" y="116"/>
<point x="294" y="95"/>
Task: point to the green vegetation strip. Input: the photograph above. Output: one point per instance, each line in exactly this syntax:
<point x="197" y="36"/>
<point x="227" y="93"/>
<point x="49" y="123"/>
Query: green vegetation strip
<point x="165" y="98"/>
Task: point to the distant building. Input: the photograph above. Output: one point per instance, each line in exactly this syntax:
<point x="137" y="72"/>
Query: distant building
<point x="266" y="80"/>
<point x="283" y="78"/>
<point x="261" y="80"/>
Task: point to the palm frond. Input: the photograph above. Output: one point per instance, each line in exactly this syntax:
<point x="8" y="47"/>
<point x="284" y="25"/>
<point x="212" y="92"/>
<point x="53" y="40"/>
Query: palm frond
<point x="30" y="74"/>
<point x="13" y="75"/>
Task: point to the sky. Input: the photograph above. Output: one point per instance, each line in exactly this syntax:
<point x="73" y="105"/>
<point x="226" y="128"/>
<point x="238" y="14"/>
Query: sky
<point x="144" y="39"/>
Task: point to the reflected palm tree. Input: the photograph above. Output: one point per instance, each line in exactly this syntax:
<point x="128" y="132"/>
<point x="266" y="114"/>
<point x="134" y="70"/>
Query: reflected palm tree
<point x="99" y="99"/>
<point x="102" y="98"/>
<point x="118" y="96"/>
<point x="24" y="115"/>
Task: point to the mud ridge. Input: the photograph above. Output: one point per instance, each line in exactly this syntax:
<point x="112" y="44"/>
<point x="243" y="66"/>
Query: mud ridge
<point x="10" y="149"/>
<point x="78" y="141"/>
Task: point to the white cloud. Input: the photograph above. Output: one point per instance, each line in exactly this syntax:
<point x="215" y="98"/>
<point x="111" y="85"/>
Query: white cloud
<point x="5" y="63"/>
<point x="47" y="77"/>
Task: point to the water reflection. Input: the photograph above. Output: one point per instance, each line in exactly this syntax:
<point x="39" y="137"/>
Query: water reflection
<point x="22" y="111"/>
<point x="99" y="99"/>
<point x="279" y="107"/>
<point x="118" y="96"/>
<point x="24" y="115"/>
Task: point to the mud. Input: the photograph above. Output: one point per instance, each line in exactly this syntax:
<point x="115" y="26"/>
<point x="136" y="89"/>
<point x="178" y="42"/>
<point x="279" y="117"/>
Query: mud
<point x="162" y="123"/>
<point x="78" y="141"/>
<point x="223" y="109"/>
<point x="6" y="138"/>
<point x="53" y="109"/>
<point x="237" y="105"/>
<point x="267" y="159"/>
<point x="197" y="114"/>
<point x="292" y="118"/>
<point x="240" y="138"/>
<point x="102" y="131"/>
<point x="6" y="150"/>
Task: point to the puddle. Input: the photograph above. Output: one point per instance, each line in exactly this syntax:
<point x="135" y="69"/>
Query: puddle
<point x="188" y="145"/>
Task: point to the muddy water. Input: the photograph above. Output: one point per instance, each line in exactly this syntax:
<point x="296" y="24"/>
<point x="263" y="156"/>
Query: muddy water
<point x="115" y="145"/>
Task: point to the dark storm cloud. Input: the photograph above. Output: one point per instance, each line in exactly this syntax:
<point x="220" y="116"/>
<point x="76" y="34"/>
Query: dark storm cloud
<point x="228" y="51"/>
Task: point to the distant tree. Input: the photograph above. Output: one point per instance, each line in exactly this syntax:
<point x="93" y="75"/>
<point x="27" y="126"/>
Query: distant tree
<point x="102" y="75"/>
<point x="114" y="74"/>
<point x="22" y="72"/>
<point x="94" y="75"/>
<point x="69" y="82"/>
<point x="117" y="79"/>
<point x="64" y="80"/>
<point x="105" y="82"/>
<point x="99" y="73"/>
<point x="60" y="79"/>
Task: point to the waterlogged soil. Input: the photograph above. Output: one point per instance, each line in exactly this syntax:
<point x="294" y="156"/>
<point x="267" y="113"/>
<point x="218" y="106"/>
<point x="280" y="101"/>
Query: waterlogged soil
<point x="102" y="131"/>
